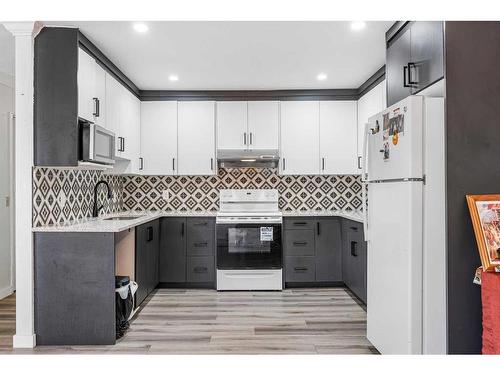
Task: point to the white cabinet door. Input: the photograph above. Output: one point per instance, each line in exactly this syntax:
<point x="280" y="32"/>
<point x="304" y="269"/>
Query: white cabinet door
<point x="113" y="108"/>
<point x="338" y="137"/>
<point x="263" y="125"/>
<point x="86" y="82"/>
<point x="159" y="137"/>
<point x="232" y="131"/>
<point x="196" y="138"/>
<point x="299" y="137"/>
<point x="100" y="94"/>
<point x="373" y="102"/>
<point x="130" y="130"/>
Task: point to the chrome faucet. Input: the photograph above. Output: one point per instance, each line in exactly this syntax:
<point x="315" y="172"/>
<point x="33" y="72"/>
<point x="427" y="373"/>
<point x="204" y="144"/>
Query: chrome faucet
<point x="95" y="209"/>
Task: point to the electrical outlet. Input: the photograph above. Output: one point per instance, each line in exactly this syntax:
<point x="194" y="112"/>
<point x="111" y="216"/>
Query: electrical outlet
<point x="165" y="195"/>
<point x="61" y="199"/>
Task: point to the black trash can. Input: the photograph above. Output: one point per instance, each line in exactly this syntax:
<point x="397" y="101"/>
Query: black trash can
<point x="124" y="304"/>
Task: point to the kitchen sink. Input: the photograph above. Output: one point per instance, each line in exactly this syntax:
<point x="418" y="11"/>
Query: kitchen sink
<point x="123" y="217"/>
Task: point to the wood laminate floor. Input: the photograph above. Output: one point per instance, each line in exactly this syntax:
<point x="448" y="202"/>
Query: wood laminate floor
<point x="294" y="321"/>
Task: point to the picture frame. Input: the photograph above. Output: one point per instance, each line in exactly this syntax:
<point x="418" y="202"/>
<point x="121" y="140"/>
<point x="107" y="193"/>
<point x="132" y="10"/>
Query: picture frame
<point x="485" y="214"/>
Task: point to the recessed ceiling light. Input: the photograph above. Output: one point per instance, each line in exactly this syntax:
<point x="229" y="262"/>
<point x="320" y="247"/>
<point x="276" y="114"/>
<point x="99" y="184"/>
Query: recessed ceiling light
<point x="141" y="27"/>
<point x="173" y="78"/>
<point x="358" y="25"/>
<point x="321" y="77"/>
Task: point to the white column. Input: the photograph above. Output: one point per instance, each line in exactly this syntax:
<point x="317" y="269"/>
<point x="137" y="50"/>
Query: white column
<point x="23" y="154"/>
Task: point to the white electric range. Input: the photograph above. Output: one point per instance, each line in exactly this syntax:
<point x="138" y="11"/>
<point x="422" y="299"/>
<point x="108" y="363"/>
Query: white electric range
<point x="249" y="247"/>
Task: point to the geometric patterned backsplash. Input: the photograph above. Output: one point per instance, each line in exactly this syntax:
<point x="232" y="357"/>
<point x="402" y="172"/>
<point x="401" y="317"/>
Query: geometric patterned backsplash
<point x="185" y="193"/>
<point x="201" y="193"/>
<point x="78" y="188"/>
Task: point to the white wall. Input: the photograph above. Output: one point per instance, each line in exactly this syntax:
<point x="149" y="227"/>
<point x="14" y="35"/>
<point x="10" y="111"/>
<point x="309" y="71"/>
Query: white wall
<point x="6" y="224"/>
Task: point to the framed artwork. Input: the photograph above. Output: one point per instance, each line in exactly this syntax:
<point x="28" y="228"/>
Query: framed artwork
<point x="485" y="214"/>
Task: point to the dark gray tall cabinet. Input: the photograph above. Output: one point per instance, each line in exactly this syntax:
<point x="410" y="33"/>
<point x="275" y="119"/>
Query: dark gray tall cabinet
<point x="187" y="250"/>
<point x="354" y="258"/>
<point x="414" y="58"/>
<point x="147" y="247"/>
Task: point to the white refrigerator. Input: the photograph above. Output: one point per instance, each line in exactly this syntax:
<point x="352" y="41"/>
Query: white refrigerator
<point x="404" y="173"/>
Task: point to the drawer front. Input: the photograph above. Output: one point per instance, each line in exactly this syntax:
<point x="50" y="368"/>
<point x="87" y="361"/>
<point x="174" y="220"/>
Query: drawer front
<point x="300" y="269"/>
<point x="299" y="242"/>
<point x="200" y="269"/>
<point x="200" y="236"/>
<point x="298" y="223"/>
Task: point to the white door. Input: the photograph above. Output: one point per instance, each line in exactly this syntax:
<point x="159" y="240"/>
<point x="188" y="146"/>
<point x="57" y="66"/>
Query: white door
<point x="113" y="109"/>
<point x="263" y="125"/>
<point x="338" y="137"/>
<point x="370" y="104"/>
<point x="86" y="84"/>
<point x="395" y="143"/>
<point x="6" y="217"/>
<point x="394" y="271"/>
<point x="299" y="137"/>
<point x="196" y="138"/>
<point x="159" y="137"/>
<point x="100" y="94"/>
<point x="232" y="133"/>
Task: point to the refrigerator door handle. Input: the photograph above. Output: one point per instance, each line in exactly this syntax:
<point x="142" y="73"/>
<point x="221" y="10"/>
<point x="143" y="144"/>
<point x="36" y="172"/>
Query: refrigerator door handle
<point x="364" y="172"/>
<point x="365" y="211"/>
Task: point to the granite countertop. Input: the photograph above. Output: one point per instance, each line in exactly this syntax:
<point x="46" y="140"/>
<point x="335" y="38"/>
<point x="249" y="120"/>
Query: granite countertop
<point x="110" y="226"/>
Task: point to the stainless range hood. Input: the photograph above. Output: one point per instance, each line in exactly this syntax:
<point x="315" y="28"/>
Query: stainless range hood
<point x="248" y="158"/>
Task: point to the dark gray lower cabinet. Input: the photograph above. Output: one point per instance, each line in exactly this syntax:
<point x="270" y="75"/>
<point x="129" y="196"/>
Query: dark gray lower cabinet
<point x="187" y="250"/>
<point x="147" y="247"/>
<point x="313" y="250"/>
<point x="354" y="258"/>
<point x="328" y="250"/>
<point x="173" y="250"/>
<point x="74" y="288"/>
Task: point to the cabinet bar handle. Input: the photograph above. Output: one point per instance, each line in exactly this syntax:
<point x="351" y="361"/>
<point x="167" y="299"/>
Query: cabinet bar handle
<point x="317" y="228"/>
<point x="284" y="164"/>
<point x="251" y="136"/>
<point x="299" y="223"/>
<point x="211" y="164"/>
<point x="200" y="244"/>
<point x="322" y="164"/>
<point x="405" y="73"/>
<point x="141" y="163"/>
<point x="120" y="144"/>
<point x="123" y="143"/>
<point x="354" y="228"/>
<point x="354" y="247"/>
<point x="96" y="107"/>
<point x="150" y="234"/>
<point x="300" y="269"/>
<point x="200" y="269"/>
<point x="173" y="164"/>
<point x="411" y="66"/>
<point x="203" y="223"/>
<point x="359" y="162"/>
<point x="182" y="230"/>
<point x="299" y="243"/>
<point x="245" y="138"/>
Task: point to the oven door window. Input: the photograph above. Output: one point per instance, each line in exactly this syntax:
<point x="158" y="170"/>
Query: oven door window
<point x="241" y="246"/>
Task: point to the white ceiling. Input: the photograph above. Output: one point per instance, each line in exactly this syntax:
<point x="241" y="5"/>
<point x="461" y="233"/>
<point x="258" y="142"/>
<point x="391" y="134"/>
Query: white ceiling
<point x="6" y="51"/>
<point x="241" y="55"/>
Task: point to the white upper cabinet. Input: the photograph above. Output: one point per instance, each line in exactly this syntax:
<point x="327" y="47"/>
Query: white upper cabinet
<point x="100" y="96"/>
<point x="338" y="137"/>
<point x="196" y="138"/>
<point x="232" y="132"/>
<point x="91" y="79"/>
<point x="299" y="137"/>
<point x="123" y="117"/>
<point x="159" y="137"/>
<point x="86" y="85"/>
<point x="373" y="102"/>
<point x="263" y="125"/>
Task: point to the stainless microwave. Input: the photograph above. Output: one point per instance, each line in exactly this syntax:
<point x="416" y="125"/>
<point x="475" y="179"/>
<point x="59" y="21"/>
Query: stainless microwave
<point x="97" y="144"/>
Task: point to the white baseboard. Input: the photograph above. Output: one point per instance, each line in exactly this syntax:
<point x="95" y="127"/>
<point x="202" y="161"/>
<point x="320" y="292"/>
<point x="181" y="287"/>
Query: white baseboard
<point x="7" y="291"/>
<point x="24" y="341"/>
